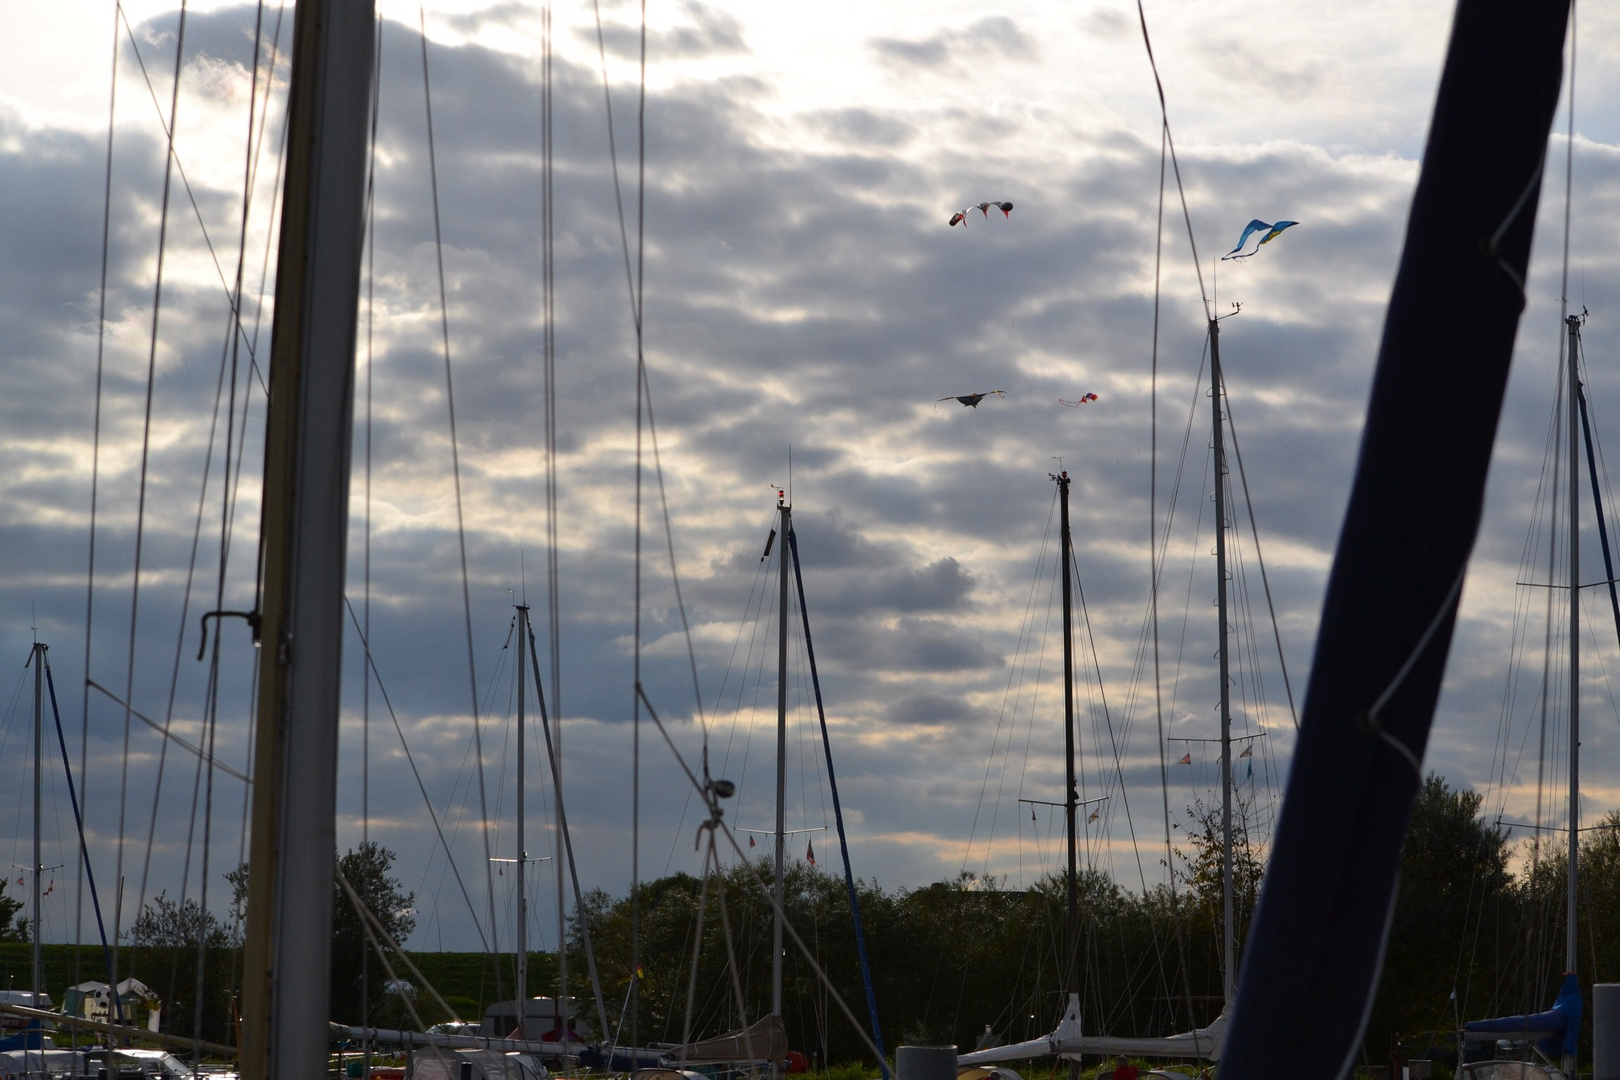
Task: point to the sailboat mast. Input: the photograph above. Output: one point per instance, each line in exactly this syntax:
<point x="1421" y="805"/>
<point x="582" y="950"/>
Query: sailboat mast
<point x="1071" y="796"/>
<point x="287" y="948"/>
<point x="558" y="829"/>
<point x="522" y="855"/>
<point x="781" y="755"/>
<point x="39" y="743"/>
<point x="1228" y="932"/>
<point x="1573" y="326"/>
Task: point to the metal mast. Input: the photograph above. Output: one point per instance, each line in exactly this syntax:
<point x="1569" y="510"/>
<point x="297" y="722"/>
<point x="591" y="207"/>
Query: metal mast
<point x="38" y="660"/>
<point x="522" y="854"/>
<point x="1228" y="932"/>
<point x="781" y="754"/>
<point x="1573" y="325"/>
<point x="287" y="952"/>
<point x="1071" y="794"/>
<point x="559" y="827"/>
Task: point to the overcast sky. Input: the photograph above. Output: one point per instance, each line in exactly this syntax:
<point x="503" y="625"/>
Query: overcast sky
<point x="803" y="295"/>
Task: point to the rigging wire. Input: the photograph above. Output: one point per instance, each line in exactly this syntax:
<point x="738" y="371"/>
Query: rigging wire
<point x="365" y="672"/>
<point x="635" y="283"/>
<point x="371" y="283"/>
<point x="553" y="570"/>
<point x="1015" y="677"/>
<point x="185" y="181"/>
<point x="230" y="357"/>
<point x="186" y="590"/>
<point x="1170" y="142"/>
<point x="146" y="438"/>
<point x="410" y="759"/>
<point x="1153" y="555"/>
<point x="455" y="469"/>
<point x="95" y="470"/>
<point x="743" y="863"/>
<point x="1254" y="529"/>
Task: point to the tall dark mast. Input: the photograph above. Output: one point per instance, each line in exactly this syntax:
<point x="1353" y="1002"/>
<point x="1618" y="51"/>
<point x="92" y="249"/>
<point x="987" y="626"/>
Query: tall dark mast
<point x="1071" y="794"/>
<point x="1573" y="324"/>
<point x="38" y="969"/>
<point x="1228" y="931"/>
<point x="785" y="568"/>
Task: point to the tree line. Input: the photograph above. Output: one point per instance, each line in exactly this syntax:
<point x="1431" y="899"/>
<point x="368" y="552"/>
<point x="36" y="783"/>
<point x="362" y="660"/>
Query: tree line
<point x="1475" y="916"/>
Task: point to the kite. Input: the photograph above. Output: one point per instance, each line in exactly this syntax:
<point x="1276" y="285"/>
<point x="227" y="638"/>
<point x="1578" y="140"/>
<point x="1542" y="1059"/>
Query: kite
<point x="1084" y="398"/>
<point x="961" y="216"/>
<point x="972" y="400"/>
<point x="1250" y="229"/>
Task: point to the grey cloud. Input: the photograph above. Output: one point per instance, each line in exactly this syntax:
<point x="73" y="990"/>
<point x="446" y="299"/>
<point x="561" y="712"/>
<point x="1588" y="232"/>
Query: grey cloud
<point x="1108" y="23"/>
<point x="992" y="35"/>
<point x="928" y="709"/>
<point x="1263" y="68"/>
<point x="864" y="127"/>
<point x="707" y="32"/>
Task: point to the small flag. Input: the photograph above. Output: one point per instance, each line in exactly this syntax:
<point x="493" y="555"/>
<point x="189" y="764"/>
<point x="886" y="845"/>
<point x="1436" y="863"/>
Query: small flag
<point x="1032" y="813"/>
<point x="1093" y="816"/>
<point x="1186" y="759"/>
<point x="51" y="888"/>
<point x="1251" y="771"/>
<point x="750" y="841"/>
<point x="810" y="853"/>
<point x="1248" y="751"/>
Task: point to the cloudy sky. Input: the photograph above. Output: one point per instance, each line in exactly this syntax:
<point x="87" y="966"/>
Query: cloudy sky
<point x="804" y="297"/>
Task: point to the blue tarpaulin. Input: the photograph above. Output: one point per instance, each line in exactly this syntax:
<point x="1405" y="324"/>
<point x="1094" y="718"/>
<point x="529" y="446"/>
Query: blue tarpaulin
<point x="1556" y="1030"/>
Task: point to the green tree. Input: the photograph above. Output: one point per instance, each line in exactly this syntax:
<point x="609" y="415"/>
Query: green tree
<point x="1454" y="892"/>
<point x="164" y="923"/>
<point x="13" y="927"/>
<point x="368" y="870"/>
<point x="356" y="979"/>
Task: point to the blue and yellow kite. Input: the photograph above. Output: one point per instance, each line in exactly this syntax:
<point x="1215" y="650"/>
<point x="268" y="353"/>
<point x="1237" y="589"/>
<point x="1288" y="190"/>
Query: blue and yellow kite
<point x="1250" y="229"/>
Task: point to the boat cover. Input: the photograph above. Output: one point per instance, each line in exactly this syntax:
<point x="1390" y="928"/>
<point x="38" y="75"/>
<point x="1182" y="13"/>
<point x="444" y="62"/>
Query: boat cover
<point x="763" y="1040"/>
<point x="41" y="1063"/>
<point x="1555" y="1030"/>
<point x="486" y="1065"/>
<point x="1507" y="1070"/>
<point x="621" y="1058"/>
<point x="1068" y="1041"/>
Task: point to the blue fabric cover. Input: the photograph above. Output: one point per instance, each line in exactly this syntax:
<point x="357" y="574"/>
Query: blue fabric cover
<point x="1563" y="1019"/>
